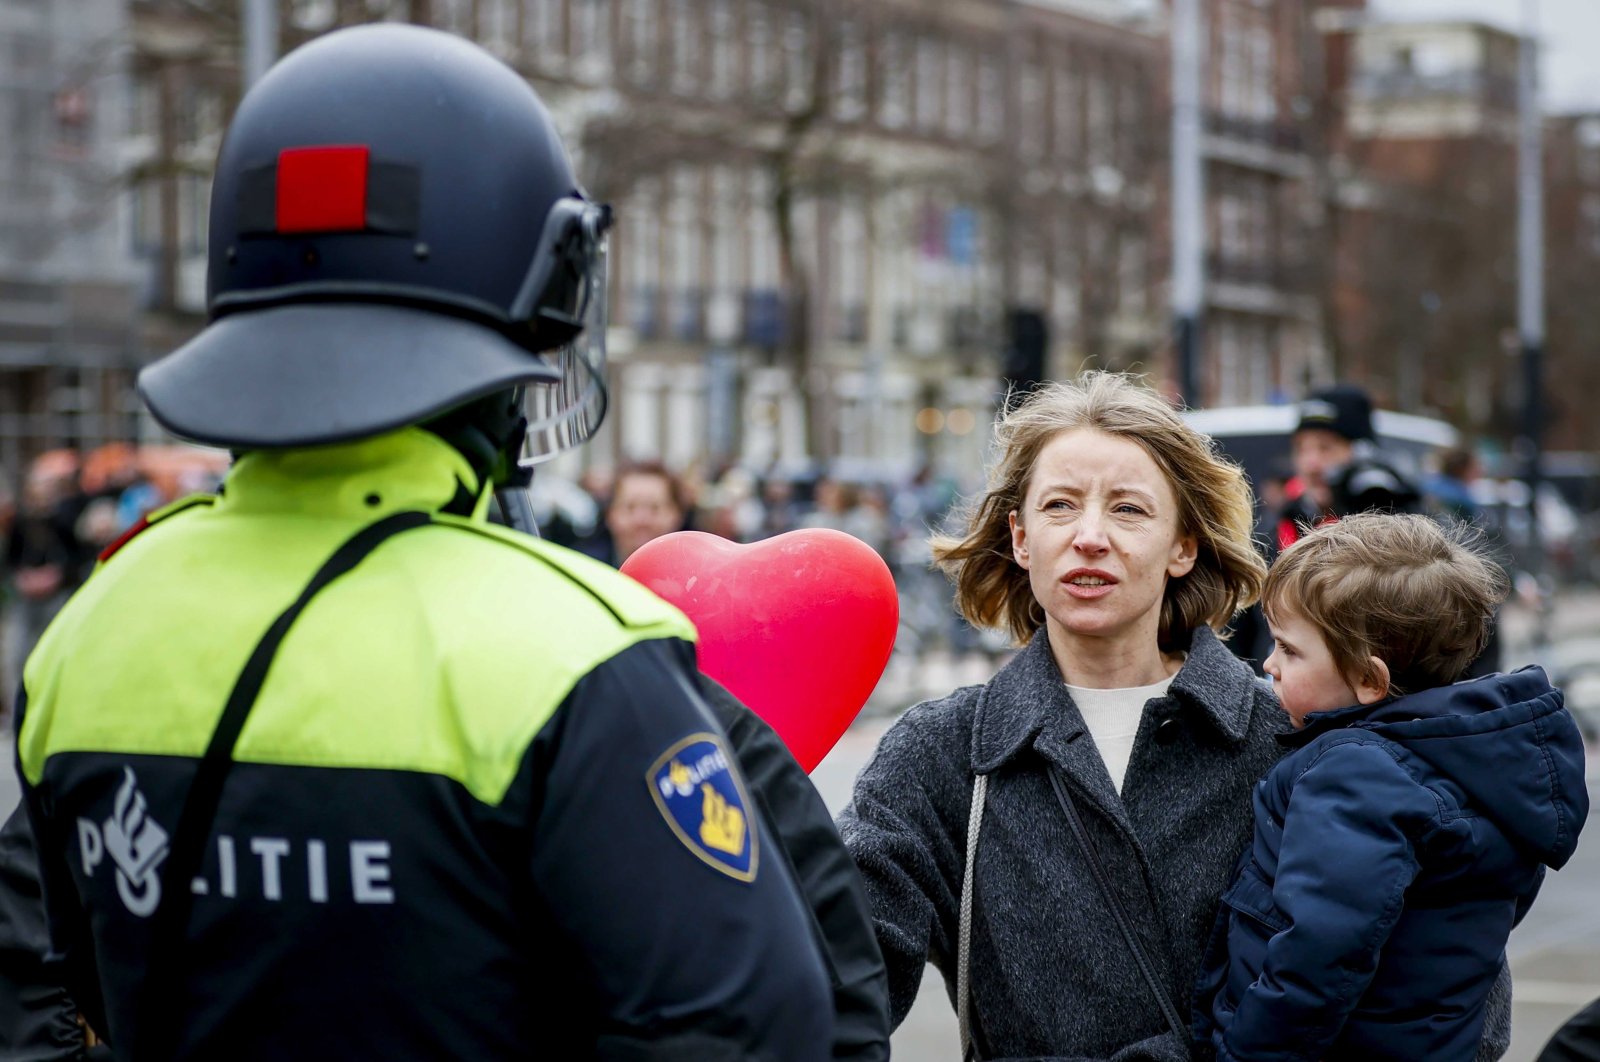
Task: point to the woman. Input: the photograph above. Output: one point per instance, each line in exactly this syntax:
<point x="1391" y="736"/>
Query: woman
<point x="1086" y="806"/>
<point x="1113" y="542"/>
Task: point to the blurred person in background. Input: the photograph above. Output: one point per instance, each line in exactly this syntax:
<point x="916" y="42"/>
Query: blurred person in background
<point x="8" y="516"/>
<point x="1448" y="492"/>
<point x="781" y="510"/>
<point x="42" y="558"/>
<point x="647" y="501"/>
<point x="860" y="511"/>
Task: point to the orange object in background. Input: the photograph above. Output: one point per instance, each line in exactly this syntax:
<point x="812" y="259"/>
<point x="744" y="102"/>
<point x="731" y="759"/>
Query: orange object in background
<point x="115" y="464"/>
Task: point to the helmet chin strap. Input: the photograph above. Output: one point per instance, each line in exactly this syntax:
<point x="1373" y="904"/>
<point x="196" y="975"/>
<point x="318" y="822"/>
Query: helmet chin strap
<point x="489" y="433"/>
<point x="517" y="509"/>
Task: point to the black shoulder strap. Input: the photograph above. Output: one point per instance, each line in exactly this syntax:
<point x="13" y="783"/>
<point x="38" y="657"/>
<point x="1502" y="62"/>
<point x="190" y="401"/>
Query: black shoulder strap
<point x="1103" y="880"/>
<point x="159" y="1015"/>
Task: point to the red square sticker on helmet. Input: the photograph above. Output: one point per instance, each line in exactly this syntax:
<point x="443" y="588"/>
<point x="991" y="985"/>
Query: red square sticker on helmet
<point x="322" y="189"/>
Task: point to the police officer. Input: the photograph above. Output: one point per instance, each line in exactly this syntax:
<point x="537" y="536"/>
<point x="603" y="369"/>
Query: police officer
<point x="328" y="767"/>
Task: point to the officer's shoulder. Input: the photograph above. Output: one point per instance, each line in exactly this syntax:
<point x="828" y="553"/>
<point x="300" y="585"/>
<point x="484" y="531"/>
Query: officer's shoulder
<point x="582" y="581"/>
<point x="152" y="518"/>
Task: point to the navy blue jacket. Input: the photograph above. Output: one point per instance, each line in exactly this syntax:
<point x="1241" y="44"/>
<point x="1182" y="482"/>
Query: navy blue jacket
<point x="1394" y="851"/>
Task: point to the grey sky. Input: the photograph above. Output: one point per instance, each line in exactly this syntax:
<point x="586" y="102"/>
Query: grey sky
<point x="1569" y="29"/>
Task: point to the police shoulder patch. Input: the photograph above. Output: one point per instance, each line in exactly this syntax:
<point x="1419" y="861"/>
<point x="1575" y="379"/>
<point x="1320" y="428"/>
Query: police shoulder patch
<point x="702" y="797"/>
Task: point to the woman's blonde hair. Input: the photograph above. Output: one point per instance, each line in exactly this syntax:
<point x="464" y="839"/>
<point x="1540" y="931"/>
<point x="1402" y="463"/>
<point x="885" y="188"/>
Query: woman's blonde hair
<point x="1214" y="506"/>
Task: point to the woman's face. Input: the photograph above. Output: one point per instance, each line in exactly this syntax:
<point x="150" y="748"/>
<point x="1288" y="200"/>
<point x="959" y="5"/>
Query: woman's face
<point x="1098" y="535"/>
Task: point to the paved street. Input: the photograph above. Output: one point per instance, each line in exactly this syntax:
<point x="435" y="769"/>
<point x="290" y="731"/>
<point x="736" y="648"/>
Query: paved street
<point x="1555" y="954"/>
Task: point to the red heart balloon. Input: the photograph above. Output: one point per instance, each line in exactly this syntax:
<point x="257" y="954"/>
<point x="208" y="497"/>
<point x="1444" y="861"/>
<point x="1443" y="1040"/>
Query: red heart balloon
<point x="799" y="626"/>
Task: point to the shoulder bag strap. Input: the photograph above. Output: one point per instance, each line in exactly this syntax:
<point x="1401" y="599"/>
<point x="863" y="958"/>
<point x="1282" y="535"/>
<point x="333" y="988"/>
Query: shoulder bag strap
<point x="159" y="1017"/>
<point x="1102" y="879"/>
<point x="980" y="790"/>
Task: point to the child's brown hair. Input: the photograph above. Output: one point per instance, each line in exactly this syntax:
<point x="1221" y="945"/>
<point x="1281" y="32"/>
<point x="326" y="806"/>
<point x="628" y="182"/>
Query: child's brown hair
<point x="1419" y="596"/>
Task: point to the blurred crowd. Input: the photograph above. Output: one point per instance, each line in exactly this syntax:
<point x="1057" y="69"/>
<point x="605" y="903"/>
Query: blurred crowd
<point x="610" y="513"/>
<point x="67" y="507"/>
<point x="64" y="510"/>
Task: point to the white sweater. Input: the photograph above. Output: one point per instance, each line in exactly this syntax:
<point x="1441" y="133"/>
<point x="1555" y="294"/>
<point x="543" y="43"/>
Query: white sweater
<point x="1112" y="717"/>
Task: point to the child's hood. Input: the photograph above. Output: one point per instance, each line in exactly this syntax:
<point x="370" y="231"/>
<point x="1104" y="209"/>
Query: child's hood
<point x="1510" y="743"/>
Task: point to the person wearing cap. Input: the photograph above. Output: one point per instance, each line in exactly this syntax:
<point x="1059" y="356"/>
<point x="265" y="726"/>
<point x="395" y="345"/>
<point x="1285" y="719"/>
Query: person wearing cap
<point x="1336" y="468"/>
<point x="1337" y="471"/>
<point x="327" y="766"/>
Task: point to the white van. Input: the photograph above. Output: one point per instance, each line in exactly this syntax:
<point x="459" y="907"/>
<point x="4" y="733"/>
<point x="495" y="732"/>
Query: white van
<point x="1258" y="438"/>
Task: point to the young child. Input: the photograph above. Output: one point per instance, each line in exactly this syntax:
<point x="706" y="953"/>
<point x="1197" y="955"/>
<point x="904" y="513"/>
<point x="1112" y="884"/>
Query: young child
<point x="1407" y="830"/>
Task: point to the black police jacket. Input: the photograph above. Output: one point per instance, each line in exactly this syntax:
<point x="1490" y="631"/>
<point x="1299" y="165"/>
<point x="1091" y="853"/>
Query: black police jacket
<point x="825" y="872"/>
<point x="38" y="1012"/>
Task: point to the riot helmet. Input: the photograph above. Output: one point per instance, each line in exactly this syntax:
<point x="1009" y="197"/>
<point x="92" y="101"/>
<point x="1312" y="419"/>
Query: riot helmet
<point x="396" y="232"/>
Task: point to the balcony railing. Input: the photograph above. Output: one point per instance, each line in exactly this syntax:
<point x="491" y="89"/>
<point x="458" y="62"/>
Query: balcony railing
<point x="1254" y="131"/>
<point x="1255" y="272"/>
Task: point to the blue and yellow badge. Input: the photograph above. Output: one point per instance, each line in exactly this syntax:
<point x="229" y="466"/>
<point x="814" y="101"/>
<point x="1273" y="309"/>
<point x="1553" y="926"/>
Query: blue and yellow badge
<point x="704" y="802"/>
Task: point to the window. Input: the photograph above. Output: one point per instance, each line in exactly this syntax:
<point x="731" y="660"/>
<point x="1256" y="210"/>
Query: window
<point x="144" y="106"/>
<point x="147" y="217"/>
<point x="591" y="37"/>
<point x="1132" y="277"/>
<point x="761" y="45"/>
<point x="762" y="268"/>
<point x="797" y="74"/>
<point x="640" y="236"/>
<point x="1133" y="127"/>
<point x="542" y="34"/>
<point x="894" y="80"/>
<point x="928" y="84"/>
<point x="497" y="26"/>
<point x="194" y="205"/>
<point x="1586" y="143"/>
<point x="850" y="83"/>
<point x="850" y="271"/>
<point x="726" y="213"/>
<point x="1244" y="224"/>
<point x="1065" y="289"/>
<point x="313" y="16"/>
<point x="1031" y="132"/>
<point x="721" y="82"/>
<point x="957" y="91"/>
<point x="683" y="253"/>
<point x="1066" y="112"/>
<point x="453" y="16"/>
<point x="1101" y="120"/>
<point x="1245" y="68"/>
<point x="640" y="25"/>
<point x="991" y="100"/>
<point x="685" y="22"/>
<point x="1590" y="209"/>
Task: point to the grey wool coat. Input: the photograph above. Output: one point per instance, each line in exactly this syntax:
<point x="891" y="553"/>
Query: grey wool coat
<point x="1052" y="977"/>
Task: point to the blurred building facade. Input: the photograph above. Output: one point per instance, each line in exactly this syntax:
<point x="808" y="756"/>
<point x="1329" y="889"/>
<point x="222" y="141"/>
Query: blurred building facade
<point x="829" y="210"/>
<point x="68" y="304"/>
<point x="1424" y="304"/>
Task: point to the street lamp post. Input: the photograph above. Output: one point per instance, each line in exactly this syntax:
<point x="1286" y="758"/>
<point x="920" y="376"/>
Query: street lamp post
<point x="1188" y="191"/>
<point x="259" y="44"/>
<point x="1530" y="264"/>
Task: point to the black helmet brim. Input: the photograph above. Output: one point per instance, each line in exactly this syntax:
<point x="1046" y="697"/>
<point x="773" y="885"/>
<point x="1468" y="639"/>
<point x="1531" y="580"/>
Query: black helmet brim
<point x="311" y="374"/>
